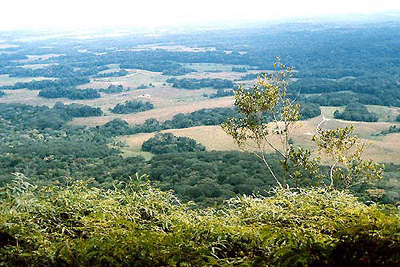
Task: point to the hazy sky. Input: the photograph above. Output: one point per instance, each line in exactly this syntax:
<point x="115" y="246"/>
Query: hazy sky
<point x="27" y="14"/>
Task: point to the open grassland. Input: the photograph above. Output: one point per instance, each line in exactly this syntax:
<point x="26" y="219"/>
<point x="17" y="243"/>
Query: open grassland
<point x="168" y="101"/>
<point x="134" y="79"/>
<point x="159" y="113"/>
<point x="213" y="138"/>
<point x="112" y="68"/>
<point x="385" y="114"/>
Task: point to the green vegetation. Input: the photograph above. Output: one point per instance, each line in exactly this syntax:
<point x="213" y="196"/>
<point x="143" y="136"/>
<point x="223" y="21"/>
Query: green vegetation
<point x="77" y="110"/>
<point x="138" y="225"/>
<point x="48" y="84"/>
<point x="142" y="86"/>
<point x="201" y="117"/>
<point x="209" y="178"/>
<point x="239" y="69"/>
<point x="24" y="118"/>
<point x="159" y="62"/>
<point x="112" y="89"/>
<point x="356" y="112"/>
<point x="221" y="93"/>
<point x="251" y="76"/>
<point x="344" y="98"/>
<point x="68" y="197"/>
<point x="70" y="93"/>
<point x="119" y="73"/>
<point x="194" y="84"/>
<point x="268" y="101"/>
<point x="132" y="106"/>
<point x="163" y="143"/>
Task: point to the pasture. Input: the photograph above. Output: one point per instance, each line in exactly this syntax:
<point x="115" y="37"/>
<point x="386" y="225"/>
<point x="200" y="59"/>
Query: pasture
<point x="384" y="149"/>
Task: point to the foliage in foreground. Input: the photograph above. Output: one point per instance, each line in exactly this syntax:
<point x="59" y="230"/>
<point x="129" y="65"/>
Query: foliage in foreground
<point x="140" y="225"/>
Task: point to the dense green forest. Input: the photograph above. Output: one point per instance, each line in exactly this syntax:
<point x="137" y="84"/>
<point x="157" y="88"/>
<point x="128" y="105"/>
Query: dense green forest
<point x="168" y="143"/>
<point x="70" y="93"/>
<point x="193" y="84"/>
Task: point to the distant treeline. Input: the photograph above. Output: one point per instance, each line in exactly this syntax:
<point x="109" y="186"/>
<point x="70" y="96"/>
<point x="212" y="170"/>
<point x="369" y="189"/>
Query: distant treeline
<point x="194" y="84"/>
<point x="48" y="84"/>
<point x="119" y="73"/>
<point x="132" y="106"/>
<point x="369" y="89"/>
<point x="55" y="71"/>
<point x="71" y="93"/>
<point x="239" y="69"/>
<point x="112" y="89"/>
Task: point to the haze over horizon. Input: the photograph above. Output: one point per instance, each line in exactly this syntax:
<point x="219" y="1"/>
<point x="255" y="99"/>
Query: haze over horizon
<point x="28" y="15"/>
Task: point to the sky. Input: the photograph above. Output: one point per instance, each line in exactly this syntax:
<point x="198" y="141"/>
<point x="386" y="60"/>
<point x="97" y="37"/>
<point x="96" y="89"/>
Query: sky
<point x="78" y="14"/>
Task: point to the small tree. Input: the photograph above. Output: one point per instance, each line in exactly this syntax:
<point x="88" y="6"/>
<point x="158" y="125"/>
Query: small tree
<point x="344" y="150"/>
<point x="266" y="111"/>
<point x="267" y="101"/>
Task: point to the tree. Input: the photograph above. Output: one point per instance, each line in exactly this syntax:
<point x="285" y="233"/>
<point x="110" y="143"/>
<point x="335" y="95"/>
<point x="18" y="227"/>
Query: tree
<point x="267" y="111"/>
<point x="344" y="149"/>
<point x="267" y="101"/>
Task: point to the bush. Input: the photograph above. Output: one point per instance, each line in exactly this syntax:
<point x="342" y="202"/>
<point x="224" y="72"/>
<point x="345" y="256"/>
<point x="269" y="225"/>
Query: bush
<point x="168" y="143"/>
<point x="139" y="225"/>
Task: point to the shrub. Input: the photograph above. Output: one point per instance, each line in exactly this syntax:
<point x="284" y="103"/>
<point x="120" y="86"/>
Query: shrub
<point x="139" y="225"/>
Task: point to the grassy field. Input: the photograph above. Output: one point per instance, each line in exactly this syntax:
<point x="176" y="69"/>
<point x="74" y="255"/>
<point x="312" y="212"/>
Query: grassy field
<point x="160" y="113"/>
<point x="168" y="101"/>
<point x="134" y="79"/>
<point x="213" y="138"/>
<point x="385" y="114"/>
